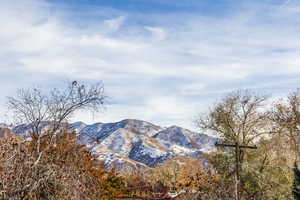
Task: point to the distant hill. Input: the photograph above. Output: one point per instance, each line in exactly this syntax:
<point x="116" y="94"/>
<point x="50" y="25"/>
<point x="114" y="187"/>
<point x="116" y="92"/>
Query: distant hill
<point x="134" y="143"/>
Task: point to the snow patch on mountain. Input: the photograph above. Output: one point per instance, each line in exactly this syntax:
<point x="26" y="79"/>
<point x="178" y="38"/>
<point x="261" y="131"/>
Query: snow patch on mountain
<point x="134" y="143"/>
<point x="148" y="155"/>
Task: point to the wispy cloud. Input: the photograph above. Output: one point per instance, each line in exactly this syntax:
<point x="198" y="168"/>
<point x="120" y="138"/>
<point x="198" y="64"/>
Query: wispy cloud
<point x="164" y="67"/>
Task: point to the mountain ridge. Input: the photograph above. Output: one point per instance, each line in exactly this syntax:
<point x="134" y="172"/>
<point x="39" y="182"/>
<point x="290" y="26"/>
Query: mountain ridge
<point x="134" y="143"/>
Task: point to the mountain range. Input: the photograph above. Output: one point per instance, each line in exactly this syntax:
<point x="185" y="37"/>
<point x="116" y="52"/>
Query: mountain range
<point x="134" y="143"/>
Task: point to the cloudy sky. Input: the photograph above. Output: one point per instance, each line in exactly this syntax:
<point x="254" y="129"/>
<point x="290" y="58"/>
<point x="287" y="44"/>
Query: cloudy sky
<point x="162" y="61"/>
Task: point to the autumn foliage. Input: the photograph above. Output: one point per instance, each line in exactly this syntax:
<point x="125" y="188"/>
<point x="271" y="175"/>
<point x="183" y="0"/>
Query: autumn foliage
<point x="53" y="168"/>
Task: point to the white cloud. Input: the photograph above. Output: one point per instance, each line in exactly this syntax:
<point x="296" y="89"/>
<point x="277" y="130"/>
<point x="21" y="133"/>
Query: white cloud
<point x="101" y="42"/>
<point x="159" y="33"/>
<point x="115" y="23"/>
<point x="191" y="89"/>
<point x="162" y="72"/>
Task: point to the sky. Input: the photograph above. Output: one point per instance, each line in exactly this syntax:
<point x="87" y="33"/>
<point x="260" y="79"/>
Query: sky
<point x="163" y="61"/>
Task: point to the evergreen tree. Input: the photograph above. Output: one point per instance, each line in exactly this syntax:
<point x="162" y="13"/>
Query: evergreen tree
<point x="296" y="184"/>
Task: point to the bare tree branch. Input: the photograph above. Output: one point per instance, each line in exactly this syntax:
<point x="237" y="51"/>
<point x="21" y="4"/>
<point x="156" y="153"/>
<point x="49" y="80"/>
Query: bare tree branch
<point x="33" y="106"/>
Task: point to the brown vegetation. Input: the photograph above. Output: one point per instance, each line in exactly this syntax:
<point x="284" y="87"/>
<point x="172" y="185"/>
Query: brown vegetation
<point x="64" y="170"/>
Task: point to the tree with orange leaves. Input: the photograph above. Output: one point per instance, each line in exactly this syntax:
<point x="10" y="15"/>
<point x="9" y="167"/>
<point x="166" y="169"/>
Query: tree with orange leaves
<point x="65" y="171"/>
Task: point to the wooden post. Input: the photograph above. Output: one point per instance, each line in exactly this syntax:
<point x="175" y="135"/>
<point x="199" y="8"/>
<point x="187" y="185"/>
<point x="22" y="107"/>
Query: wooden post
<point x="237" y="164"/>
<point x="237" y="175"/>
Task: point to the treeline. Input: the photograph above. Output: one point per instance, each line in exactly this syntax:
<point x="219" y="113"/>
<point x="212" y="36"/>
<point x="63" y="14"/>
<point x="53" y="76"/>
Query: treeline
<point x="67" y="170"/>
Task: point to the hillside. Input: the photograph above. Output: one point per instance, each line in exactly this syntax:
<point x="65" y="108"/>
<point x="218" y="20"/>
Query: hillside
<point x="135" y="143"/>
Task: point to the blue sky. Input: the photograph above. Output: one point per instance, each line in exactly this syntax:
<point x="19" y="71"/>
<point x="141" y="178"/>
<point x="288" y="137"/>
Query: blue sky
<point x="163" y="61"/>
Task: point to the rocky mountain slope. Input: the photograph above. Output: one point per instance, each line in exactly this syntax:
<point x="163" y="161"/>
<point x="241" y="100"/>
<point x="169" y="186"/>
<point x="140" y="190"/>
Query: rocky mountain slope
<point x="135" y="143"/>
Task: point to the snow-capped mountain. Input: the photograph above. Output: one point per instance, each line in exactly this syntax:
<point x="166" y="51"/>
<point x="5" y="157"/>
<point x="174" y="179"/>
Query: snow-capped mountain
<point x="135" y="143"/>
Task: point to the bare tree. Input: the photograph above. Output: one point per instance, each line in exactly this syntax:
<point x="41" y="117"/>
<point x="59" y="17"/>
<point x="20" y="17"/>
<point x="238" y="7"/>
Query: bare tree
<point x="238" y="118"/>
<point x="33" y="106"/>
<point x="286" y="116"/>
